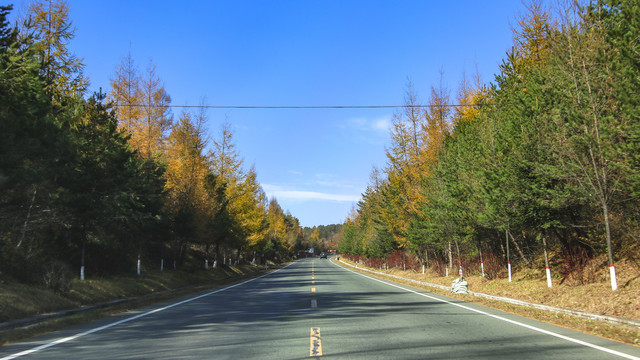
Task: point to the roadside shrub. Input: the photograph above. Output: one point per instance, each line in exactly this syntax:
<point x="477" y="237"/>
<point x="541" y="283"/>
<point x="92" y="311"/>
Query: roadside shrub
<point x="494" y="266"/>
<point x="58" y="277"/>
<point x="439" y="266"/>
<point x="375" y="263"/>
<point x="576" y="268"/>
<point x="413" y="263"/>
<point x="396" y="259"/>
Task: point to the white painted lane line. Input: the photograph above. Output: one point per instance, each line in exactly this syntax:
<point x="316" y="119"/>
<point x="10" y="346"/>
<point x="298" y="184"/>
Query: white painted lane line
<point x="79" y="335"/>
<point x="584" y="343"/>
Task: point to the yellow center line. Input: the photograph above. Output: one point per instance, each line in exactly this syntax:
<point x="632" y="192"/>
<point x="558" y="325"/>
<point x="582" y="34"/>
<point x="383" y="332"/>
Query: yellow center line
<point x="315" y="346"/>
<point x="313" y="290"/>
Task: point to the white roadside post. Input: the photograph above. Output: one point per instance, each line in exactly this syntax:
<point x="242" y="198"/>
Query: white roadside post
<point x="138" y="266"/>
<point x="614" y="282"/>
<point x="481" y="261"/>
<point x="508" y="259"/>
<point x="546" y="262"/>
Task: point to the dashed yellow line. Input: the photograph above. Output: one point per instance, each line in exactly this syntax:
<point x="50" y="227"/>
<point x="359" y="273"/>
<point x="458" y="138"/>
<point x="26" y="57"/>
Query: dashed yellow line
<point x="315" y="346"/>
<point x="313" y="290"/>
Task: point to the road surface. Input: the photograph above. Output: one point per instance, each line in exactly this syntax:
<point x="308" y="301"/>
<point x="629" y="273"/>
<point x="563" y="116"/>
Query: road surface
<point x="311" y="309"/>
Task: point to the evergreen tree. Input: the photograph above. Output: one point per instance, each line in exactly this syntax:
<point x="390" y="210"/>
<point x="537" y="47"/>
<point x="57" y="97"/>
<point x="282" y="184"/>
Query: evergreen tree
<point x="48" y="23"/>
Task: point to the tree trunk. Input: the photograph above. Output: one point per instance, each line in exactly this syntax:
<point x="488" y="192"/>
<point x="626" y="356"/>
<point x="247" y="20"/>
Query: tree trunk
<point x="26" y="221"/>
<point x="513" y="239"/>
<point x="218" y="255"/>
<point x="459" y="258"/>
<point x="507" y="242"/>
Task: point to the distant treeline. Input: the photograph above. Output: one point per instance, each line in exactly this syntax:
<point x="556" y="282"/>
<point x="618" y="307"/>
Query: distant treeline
<point x="323" y="237"/>
<point x="547" y="157"/>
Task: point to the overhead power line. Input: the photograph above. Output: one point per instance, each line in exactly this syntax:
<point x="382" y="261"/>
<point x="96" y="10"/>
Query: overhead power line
<point x="295" y="107"/>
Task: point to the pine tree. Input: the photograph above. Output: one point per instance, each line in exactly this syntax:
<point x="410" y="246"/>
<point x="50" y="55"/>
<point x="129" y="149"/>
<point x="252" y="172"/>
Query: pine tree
<point x="48" y="23"/>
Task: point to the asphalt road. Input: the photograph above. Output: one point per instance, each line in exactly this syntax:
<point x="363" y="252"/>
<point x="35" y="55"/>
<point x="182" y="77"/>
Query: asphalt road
<point x="314" y="308"/>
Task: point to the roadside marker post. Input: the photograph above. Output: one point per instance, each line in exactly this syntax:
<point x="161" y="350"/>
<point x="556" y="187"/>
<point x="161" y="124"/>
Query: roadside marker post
<point x="614" y="282"/>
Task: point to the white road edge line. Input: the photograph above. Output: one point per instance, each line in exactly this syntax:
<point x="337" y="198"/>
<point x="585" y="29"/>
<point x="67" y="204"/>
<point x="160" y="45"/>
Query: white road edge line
<point x="584" y="343"/>
<point x="73" y="337"/>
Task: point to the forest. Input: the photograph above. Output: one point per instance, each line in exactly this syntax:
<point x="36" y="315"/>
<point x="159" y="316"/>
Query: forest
<point x="110" y="183"/>
<point x="540" y="167"/>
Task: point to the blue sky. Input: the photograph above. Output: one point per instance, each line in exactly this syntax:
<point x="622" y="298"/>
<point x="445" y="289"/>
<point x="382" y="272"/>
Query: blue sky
<point x="316" y="162"/>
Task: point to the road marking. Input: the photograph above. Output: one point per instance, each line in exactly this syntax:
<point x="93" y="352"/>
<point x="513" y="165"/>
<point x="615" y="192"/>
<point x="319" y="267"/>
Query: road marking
<point x="315" y="346"/>
<point x="593" y="346"/>
<point x="88" y="332"/>
<point x="314" y="303"/>
<point x="313" y="282"/>
<point x="312" y="290"/>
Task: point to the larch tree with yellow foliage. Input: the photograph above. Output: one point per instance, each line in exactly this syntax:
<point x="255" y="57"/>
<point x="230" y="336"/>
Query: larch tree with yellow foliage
<point x="187" y="166"/>
<point x="142" y="105"/>
<point x="125" y="94"/>
<point x="155" y="118"/>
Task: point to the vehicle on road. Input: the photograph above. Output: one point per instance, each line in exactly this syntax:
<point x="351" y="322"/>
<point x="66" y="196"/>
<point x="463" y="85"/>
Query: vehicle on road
<point x="323" y="255"/>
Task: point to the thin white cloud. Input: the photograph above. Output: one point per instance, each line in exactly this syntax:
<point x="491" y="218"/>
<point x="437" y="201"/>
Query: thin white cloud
<point x="378" y="125"/>
<point x="382" y="124"/>
<point x="329" y="180"/>
<point x="281" y="194"/>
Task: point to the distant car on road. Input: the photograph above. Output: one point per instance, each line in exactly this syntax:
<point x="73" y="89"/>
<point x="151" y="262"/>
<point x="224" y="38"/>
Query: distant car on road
<point x="323" y="255"/>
